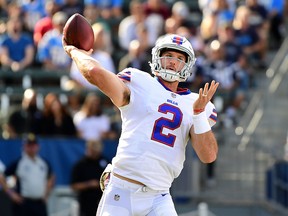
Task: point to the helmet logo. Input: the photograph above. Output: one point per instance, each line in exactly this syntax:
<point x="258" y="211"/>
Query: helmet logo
<point x="178" y="40"/>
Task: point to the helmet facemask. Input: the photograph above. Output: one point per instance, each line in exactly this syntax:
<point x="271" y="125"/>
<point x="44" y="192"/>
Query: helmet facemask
<point x="169" y="72"/>
<point x="160" y="66"/>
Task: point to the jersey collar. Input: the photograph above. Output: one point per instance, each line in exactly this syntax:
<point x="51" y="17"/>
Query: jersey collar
<point x="180" y="91"/>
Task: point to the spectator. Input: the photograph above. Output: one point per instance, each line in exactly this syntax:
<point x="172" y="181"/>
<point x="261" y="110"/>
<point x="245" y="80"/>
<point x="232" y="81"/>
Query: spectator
<point x="25" y="119"/>
<point x="45" y="24"/>
<point x="170" y="26"/>
<point x="136" y="57"/>
<point x="85" y="178"/>
<point x="157" y="7"/>
<point x="50" y="52"/>
<point x="221" y="10"/>
<point x="17" y="49"/>
<point x="181" y="15"/>
<point x="56" y="120"/>
<point x="3" y="9"/>
<point x="2" y="167"/>
<point x="233" y="79"/>
<point x="208" y="27"/>
<point x="116" y="123"/>
<point x="226" y="36"/>
<point x="90" y="121"/>
<point x="13" y="9"/>
<point x="194" y="38"/>
<point x="247" y="36"/>
<point x="205" y="5"/>
<point x="107" y="12"/>
<point x="214" y="67"/>
<point x="102" y="36"/>
<point x="277" y="12"/>
<point x="74" y="102"/>
<point x="32" y="11"/>
<point x="2" y="180"/>
<point x="34" y="181"/>
<point x="216" y="13"/>
<point x="91" y="13"/>
<point x="3" y="196"/>
<point x="2" y="30"/>
<point x="109" y="9"/>
<point x="100" y="53"/>
<point x="258" y="14"/>
<point x="259" y="20"/>
<point x="71" y="7"/>
<point x="128" y="26"/>
<point x="241" y="76"/>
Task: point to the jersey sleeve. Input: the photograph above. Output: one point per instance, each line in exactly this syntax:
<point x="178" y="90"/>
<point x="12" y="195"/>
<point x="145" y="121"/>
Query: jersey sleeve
<point x="125" y="75"/>
<point x="211" y="114"/>
<point x="137" y="75"/>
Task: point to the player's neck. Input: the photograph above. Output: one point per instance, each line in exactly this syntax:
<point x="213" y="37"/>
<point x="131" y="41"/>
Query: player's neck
<point x="173" y="86"/>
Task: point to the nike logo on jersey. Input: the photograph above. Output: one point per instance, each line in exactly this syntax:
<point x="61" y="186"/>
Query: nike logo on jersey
<point x="164" y="194"/>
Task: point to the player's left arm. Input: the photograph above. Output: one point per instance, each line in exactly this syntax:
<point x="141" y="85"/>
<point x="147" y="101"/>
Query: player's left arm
<point x="202" y="137"/>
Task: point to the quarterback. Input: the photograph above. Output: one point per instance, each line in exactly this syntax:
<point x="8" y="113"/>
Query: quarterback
<point x="158" y="119"/>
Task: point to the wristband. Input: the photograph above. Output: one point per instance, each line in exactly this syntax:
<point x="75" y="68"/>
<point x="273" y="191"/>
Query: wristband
<point x="198" y="110"/>
<point x="201" y="123"/>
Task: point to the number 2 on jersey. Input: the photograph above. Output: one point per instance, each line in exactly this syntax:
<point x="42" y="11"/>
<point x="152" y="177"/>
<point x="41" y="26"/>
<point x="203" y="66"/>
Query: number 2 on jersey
<point x="167" y="123"/>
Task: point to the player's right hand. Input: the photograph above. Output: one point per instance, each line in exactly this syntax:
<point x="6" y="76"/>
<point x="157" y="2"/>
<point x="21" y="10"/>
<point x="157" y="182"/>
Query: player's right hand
<point x="69" y="48"/>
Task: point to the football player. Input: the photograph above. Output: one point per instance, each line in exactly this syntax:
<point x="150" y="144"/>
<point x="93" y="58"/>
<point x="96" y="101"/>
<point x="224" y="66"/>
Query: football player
<point x="158" y="119"/>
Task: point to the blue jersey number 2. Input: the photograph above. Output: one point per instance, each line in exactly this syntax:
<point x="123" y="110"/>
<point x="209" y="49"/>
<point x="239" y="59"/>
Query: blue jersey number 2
<point x="167" y="123"/>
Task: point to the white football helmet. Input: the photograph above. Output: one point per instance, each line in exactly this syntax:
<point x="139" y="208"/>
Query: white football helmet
<point x="177" y="43"/>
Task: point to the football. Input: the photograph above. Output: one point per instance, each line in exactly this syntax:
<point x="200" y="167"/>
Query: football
<point x="78" y="32"/>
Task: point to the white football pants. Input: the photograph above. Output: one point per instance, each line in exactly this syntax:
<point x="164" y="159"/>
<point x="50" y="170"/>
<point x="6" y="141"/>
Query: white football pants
<point x="122" y="198"/>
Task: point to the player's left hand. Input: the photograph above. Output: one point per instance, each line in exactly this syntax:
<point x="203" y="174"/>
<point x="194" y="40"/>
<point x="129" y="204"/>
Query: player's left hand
<point x="205" y="95"/>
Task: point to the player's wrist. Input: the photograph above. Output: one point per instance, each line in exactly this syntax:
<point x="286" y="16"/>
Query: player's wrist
<point x="198" y="111"/>
<point x="73" y="51"/>
<point x="201" y="123"/>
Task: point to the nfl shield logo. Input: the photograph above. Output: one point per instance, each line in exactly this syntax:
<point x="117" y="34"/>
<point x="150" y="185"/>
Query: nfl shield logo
<point x="116" y="197"/>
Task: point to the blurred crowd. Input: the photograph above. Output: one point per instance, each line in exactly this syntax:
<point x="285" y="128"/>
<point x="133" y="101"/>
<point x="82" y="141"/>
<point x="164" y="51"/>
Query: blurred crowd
<point x="230" y="39"/>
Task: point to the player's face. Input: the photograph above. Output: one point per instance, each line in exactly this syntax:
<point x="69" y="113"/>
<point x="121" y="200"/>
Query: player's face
<point x="173" y="60"/>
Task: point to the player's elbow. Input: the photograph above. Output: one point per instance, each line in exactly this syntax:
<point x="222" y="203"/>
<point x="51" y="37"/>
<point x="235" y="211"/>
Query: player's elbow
<point x="91" y="72"/>
<point x="209" y="158"/>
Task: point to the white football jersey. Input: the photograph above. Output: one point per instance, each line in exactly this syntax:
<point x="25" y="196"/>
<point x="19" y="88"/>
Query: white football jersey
<point x="155" y="130"/>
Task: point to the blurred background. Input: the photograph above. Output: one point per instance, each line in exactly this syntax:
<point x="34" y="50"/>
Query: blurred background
<point x="240" y="43"/>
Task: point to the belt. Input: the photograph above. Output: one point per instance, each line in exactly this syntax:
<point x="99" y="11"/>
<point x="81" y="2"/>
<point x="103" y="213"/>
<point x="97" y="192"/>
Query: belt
<point x="128" y="179"/>
<point x="133" y="185"/>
